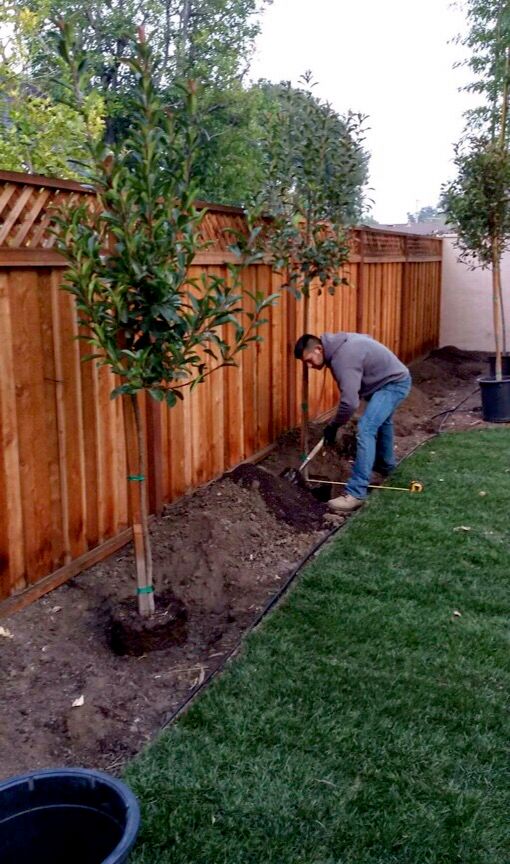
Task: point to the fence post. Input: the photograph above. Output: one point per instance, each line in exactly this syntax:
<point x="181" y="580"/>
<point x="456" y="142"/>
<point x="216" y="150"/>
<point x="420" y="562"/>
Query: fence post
<point x="292" y="366"/>
<point x="402" y="348"/>
<point x="360" y="294"/>
<point x="440" y="243"/>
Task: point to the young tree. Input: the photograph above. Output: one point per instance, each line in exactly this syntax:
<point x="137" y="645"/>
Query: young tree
<point x="315" y="170"/>
<point x="477" y="202"/>
<point x="157" y="329"/>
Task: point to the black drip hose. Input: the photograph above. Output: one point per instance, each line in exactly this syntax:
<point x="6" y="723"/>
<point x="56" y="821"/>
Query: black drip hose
<point x="284" y="587"/>
<point x="446" y="414"/>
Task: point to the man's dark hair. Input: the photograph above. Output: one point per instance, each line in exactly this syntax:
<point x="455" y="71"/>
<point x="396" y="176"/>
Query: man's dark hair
<point x="308" y="340"/>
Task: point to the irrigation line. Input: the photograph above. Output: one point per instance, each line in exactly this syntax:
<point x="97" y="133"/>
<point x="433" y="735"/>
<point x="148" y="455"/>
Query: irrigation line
<point x="275" y="599"/>
<point x="446" y="414"/>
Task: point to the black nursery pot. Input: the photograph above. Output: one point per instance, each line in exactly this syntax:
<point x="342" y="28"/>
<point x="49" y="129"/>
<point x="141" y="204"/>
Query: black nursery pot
<point x="495" y="399"/>
<point x="69" y="816"/>
<point x="505" y="363"/>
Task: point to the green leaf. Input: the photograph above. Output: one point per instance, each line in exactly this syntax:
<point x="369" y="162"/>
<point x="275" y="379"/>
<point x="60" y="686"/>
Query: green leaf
<point x="157" y="395"/>
<point x="121" y="390"/>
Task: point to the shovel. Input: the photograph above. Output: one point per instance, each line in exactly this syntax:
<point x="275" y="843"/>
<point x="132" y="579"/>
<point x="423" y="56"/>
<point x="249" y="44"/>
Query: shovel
<point x="295" y="475"/>
<point x="312" y="454"/>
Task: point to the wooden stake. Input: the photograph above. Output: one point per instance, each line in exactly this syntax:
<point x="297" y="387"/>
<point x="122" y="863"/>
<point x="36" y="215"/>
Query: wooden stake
<point x="137" y="488"/>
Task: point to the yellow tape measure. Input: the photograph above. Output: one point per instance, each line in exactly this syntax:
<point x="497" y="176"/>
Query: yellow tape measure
<point x="414" y="486"/>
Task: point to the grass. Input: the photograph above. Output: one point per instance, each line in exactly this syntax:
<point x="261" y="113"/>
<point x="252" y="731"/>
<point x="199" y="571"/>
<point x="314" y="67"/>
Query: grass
<point x="367" y="720"/>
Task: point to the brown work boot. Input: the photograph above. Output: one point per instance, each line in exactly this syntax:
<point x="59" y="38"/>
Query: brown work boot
<point x="345" y="504"/>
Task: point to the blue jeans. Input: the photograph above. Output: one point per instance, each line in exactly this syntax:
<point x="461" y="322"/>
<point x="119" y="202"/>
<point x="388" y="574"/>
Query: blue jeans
<point x="375" y="435"/>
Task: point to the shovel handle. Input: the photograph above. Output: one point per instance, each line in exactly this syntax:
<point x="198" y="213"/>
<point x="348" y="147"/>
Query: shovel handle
<point x="313" y="453"/>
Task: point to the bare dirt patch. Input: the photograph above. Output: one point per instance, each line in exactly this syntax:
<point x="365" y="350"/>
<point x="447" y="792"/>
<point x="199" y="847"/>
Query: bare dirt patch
<point x="67" y="699"/>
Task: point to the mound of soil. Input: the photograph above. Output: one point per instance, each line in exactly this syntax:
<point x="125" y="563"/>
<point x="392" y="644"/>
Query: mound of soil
<point x="457" y="356"/>
<point x="447" y="367"/>
<point x="291" y="503"/>
<point x="221" y="553"/>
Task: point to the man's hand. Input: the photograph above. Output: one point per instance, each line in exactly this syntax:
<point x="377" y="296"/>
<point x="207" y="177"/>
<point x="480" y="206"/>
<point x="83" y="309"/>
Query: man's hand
<point x="329" y="433"/>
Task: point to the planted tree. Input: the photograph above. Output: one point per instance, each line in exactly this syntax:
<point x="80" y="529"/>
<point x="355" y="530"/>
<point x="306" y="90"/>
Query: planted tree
<point x="158" y="330"/>
<point x="315" y="170"/>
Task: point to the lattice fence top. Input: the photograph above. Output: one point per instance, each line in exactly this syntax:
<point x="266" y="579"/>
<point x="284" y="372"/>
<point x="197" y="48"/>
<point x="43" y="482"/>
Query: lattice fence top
<point x="25" y="211"/>
<point x="380" y="245"/>
<point x="27" y="203"/>
<point x="218" y="228"/>
<point x="423" y="247"/>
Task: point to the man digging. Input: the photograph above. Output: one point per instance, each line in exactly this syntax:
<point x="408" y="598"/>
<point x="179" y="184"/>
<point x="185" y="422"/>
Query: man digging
<point x="363" y="369"/>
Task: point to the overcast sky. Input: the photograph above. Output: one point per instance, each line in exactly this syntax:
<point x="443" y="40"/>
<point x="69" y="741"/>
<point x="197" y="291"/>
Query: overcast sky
<point x="392" y="60"/>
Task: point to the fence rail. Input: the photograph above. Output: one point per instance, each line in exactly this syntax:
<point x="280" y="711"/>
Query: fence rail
<point x="63" y="496"/>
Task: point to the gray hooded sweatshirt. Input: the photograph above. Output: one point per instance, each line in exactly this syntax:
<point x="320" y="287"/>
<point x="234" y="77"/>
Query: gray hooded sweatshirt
<point x="360" y="366"/>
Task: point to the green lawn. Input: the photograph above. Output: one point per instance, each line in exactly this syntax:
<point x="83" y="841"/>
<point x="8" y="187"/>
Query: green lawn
<point x="365" y="722"/>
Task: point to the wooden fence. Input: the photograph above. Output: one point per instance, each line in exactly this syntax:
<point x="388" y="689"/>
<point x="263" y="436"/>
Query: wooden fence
<point x="63" y="497"/>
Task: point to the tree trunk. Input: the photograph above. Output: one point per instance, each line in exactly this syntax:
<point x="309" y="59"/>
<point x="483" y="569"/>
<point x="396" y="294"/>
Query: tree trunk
<point x="496" y="301"/>
<point x="137" y="486"/>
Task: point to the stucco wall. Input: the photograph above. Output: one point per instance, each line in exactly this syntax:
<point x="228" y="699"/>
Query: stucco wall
<point x="466" y="306"/>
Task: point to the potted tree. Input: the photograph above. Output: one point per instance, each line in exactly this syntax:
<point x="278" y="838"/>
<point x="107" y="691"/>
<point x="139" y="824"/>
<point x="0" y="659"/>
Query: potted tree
<point x="477" y="202"/>
<point x="477" y="205"/>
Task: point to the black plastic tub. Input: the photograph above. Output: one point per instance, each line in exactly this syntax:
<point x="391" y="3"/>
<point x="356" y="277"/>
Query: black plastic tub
<point x="495" y="399"/>
<point x="505" y="364"/>
<point x="67" y="816"/>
